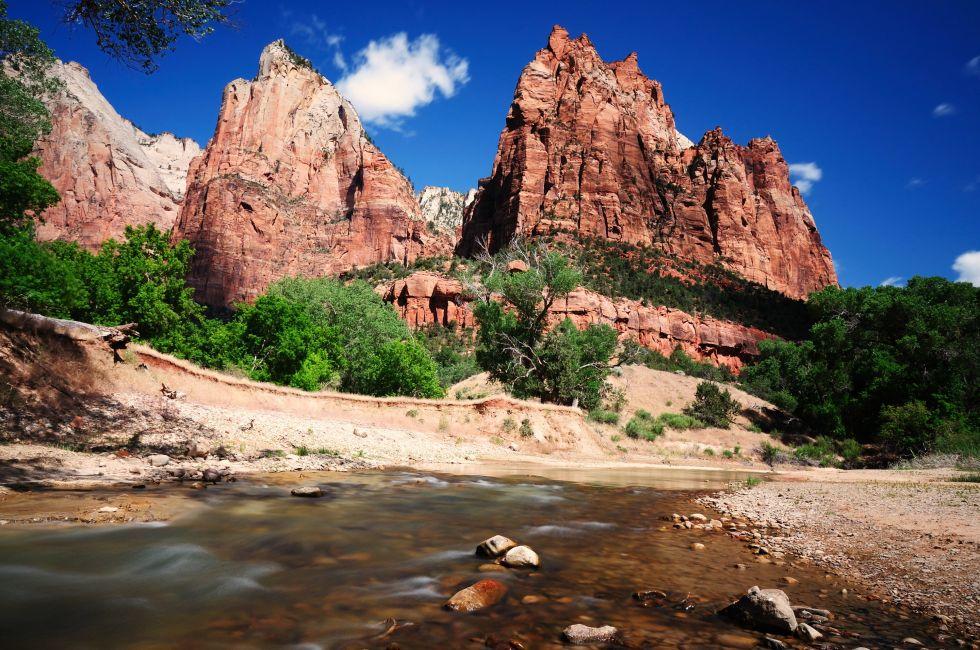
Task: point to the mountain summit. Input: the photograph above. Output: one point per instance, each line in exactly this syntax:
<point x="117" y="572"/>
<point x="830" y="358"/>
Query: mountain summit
<point x="290" y="184"/>
<point x="591" y="148"/>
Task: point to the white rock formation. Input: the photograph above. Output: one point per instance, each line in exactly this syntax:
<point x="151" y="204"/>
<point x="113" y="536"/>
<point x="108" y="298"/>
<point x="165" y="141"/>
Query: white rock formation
<point x="443" y="207"/>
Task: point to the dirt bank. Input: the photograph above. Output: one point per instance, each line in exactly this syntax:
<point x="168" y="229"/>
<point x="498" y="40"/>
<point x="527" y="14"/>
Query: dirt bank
<point x="909" y="537"/>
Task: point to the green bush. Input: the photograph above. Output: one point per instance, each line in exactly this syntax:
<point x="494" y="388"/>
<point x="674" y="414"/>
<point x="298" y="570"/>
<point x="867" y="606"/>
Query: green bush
<point x="604" y="417"/>
<point x="680" y="422"/>
<point x="713" y="406"/>
<point x="643" y="426"/>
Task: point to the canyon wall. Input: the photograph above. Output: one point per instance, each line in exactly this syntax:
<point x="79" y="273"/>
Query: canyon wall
<point x="109" y="173"/>
<point x="424" y="299"/>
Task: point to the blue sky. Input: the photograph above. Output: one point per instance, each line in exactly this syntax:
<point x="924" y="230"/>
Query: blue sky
<point x="881" y="96"/>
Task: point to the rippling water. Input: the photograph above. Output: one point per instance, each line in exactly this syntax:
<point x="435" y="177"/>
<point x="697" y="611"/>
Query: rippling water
<point x="256" y="568"/>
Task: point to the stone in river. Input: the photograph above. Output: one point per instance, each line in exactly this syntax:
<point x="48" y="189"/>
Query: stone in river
<point x="495" y="546"/>
<point x="579" y="634"/>
<point x="807" y="633"/>
<point x="766" y="610"/>
<point x="211" y="475"/>
<point x="521" y="557"/>
<point x="477" y="596"/>
<point x="311" y="491"/>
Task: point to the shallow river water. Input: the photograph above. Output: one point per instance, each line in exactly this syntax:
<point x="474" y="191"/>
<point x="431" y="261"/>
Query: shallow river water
<point x="252" y="567"/>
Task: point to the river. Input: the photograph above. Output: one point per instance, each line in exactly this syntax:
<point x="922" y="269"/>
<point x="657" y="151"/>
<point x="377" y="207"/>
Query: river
<point x="371" y="564"/>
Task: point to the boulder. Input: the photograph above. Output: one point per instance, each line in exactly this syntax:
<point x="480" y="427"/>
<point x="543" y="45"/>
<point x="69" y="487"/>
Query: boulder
<point x="495" y="546"/>
<point x="158" y="460"/>
<point x="807" y="633"/>
<point x="766" y="610"/>
<point x="579" y="634"/>
<point x="477" y="596"/>
<point x="521" y="557"/>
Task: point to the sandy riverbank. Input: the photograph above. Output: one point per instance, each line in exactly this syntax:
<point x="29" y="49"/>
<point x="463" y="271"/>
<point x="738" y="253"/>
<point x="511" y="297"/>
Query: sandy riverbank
<point x="912" y="538"/>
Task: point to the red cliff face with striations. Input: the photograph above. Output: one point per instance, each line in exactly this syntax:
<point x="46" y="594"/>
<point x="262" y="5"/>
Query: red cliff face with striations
<point x="425" y="298"/>
<point x="290" y="185"/>
<point x="109" y="173"/>
<point x="590" y="148"/>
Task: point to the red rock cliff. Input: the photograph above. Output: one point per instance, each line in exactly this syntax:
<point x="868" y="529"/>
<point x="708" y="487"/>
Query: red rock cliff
<point x="290" y="185"/>
<point x="426" y="298"/>
<point x="109" y="173"/>
<point x="590" y="148"/>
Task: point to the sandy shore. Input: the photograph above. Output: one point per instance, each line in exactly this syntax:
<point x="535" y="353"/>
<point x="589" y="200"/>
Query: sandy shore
<point x="912" y="538"/>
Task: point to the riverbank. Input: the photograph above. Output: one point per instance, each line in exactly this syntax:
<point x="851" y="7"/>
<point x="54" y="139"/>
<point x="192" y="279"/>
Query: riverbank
<point x="907" y="537"/>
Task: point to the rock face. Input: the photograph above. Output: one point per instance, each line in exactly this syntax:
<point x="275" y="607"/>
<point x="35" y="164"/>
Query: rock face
<point x="426" y="298"/>
<point x="109" y="173"/>
<point x="442" y="208"/>
<point x="590" y="148"/>
<point x="291" y="185"/>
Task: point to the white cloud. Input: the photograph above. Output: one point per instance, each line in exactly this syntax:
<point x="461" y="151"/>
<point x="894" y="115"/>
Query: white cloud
<point x="893" y="281"/>
<point x="915" y="183"/>
<point x="393" y="76"/>
<point x="805" y="175"/>
<point x="973" y="66"/>
<point x="944" y="110"/>
<point x="968" y="266"/>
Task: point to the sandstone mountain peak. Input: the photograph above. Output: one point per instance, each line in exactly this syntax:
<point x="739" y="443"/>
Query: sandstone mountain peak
<point x="109" y="173"/>
<point x="442" y="208"/>
<point x="291" y="185"/>
<point x="591" y="149"/>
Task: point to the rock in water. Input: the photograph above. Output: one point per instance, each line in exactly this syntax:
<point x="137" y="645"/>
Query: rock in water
<point x="521" y="557"/>
<point x="289" y="185"/>
<point x="766" y="610"/>
<point x="495" y="546"/>
<point x="591" y="148"/>
<point x="478" y="596"/>
<point x="311" y="491"/>
<point x="807" y="633"/>
<point x="579" y="634"/>
<point x="211" y="475"/>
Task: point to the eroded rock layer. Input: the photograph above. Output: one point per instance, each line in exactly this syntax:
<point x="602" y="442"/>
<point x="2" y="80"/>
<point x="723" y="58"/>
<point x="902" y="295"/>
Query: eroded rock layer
<point x="291" y="185"/>
<point x="426" y="298"/>
<point x="109" y="173"/>
<point x="591" y="148"/>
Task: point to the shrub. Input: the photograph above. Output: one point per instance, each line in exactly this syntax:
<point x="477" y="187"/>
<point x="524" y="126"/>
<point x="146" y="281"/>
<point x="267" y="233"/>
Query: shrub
<point x="604" y="417"/>
<point x="526" y="430"/>
<point x="712" y="405"/>
<point x="680" y="422"/>
<point x="771" y="454"/>
<point x="643" y="426"/>
<point x="822" y="451"/>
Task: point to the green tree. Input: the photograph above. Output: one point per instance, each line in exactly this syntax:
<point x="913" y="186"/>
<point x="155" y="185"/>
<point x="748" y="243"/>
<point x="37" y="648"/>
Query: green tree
<point x="139" y="31"/>
<point x="23" y="119"/>
<point x="563" y="365"/>
<point x="897" y="365"/>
